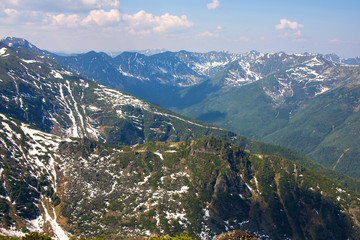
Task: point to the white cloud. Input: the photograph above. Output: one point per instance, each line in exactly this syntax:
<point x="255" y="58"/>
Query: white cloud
<point x="101" y="17"/>
<point x="297" y="33"/>
<point x="87" y="13"/>
<point x="11" y="12"/>
<point x="9" y="16"/>
<point x="89" y="2"/>
<point x="213" y="5"/>
<point x="139" y="23"/>
<point x="59" y="6"/>
<point x="12" y="2"/>
<point x="20" y="18"/>
<point x="72" y="20"/>
<point x="214" y="33"/>
<point x="284" y="23"/>
<point x="145" y="23"/>
<point x="101" y="3"/>
<point x="95" y="17"/>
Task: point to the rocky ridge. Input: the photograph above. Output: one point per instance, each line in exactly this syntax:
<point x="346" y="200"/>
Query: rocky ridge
<point x="71" y="187"/>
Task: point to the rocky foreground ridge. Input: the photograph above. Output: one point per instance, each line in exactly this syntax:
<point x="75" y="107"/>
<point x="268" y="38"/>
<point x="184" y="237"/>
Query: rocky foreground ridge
<point x="78" y="187"/>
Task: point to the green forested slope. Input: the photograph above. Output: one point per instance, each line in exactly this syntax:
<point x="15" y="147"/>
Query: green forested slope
<point x="325" y="127"/>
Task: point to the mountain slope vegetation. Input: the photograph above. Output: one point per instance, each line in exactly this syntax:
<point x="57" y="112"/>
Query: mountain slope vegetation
<point x="261" y="96"/>
<point x="314" y="113"/>
<point x="204" y="187"/>
<point x="36" y="90"/>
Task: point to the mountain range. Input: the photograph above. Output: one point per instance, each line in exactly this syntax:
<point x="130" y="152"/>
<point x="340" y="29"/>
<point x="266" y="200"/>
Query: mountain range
<point x="307" y="102"/>
<point x="42" y="93"/>
<point x="80" y="158"/>
<point x="311" y="106"/>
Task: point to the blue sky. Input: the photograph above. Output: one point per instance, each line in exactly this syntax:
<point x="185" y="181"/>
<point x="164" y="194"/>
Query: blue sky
<point x="294" y="26"/>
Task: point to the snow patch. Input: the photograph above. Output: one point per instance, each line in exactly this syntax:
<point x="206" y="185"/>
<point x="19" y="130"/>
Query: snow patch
<point x="12" y="232"/>
<point x="3" y="52"/>
<point x="73" y="130"/>
<point x="322" y="90"/>
<point x="29" y="61"/>
<point x="59" y="233"/>
<point x="175" y="216"/>
<point x="160" y="155"/>
<point x="117" y="99"/>
<point x="94" y="108"/>
<point x="145" y="180"/>
<point x="56" y="74"/>
<point x="244" y="222"/>
<point x="339" y="190"/>
<point x="179" y="118"/>
<point x="179" y="174"/>
<point x="171" y="151"/>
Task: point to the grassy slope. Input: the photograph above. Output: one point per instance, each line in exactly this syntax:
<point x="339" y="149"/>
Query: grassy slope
<point x="324" y="128"/>
<point x="244" y="110"/>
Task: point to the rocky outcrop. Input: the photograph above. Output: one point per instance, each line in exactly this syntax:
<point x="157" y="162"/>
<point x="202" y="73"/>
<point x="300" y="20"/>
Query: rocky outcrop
<point x="236" y="235"/>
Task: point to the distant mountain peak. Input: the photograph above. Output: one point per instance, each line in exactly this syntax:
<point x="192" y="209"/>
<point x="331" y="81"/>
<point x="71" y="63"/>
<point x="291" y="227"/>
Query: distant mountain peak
<point x="15" y="42"/>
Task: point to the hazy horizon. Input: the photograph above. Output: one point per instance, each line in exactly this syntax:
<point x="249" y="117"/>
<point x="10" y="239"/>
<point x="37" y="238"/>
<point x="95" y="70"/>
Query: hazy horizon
<point x="115" y="53"/>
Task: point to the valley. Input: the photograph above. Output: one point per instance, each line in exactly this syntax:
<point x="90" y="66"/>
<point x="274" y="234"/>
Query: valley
<point x="79" y="158"/>
<point x="306" y="102"/>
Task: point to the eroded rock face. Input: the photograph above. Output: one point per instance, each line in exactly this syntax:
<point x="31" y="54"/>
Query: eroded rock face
<point x="236" y="235"/>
